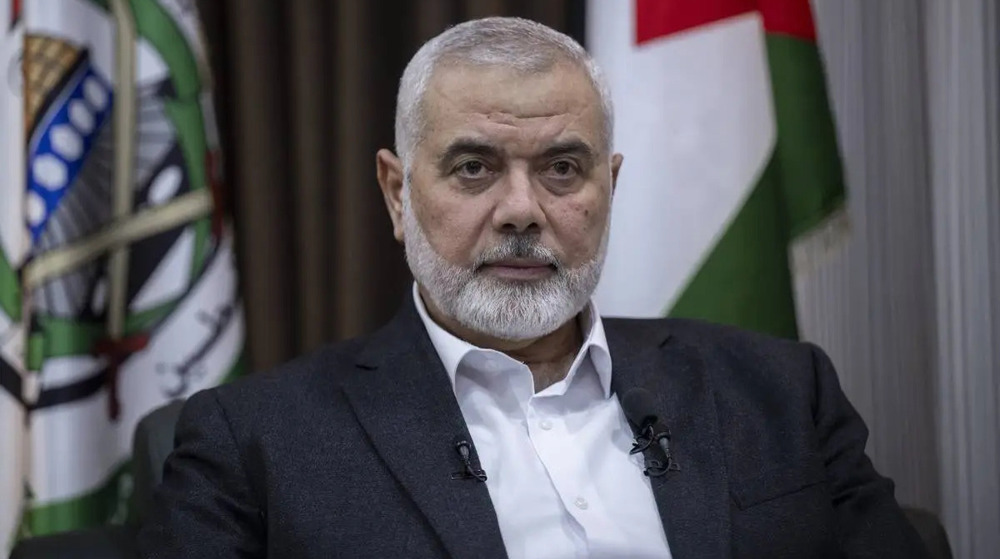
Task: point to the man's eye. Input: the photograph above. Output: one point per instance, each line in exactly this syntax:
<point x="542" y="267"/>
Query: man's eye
<point x="562" y="169"/>
<point x="472" y="169"/>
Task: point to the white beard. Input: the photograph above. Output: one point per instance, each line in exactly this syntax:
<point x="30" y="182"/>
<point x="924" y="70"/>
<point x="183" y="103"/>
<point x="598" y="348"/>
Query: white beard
<point x="508" y="310"/>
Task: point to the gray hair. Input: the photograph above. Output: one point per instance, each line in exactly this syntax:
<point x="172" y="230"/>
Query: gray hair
<point x="523" y="45"/>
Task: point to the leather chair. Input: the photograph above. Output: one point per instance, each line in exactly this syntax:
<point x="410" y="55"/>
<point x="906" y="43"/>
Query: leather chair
<point x="154" y="440"/>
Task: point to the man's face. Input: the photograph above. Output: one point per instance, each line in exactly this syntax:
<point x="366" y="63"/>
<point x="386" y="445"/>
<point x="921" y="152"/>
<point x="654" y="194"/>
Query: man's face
<point x="506" y="215"/>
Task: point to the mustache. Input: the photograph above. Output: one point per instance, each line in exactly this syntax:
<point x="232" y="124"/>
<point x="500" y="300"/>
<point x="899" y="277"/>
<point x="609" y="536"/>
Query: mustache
<point x="518" y="246"/>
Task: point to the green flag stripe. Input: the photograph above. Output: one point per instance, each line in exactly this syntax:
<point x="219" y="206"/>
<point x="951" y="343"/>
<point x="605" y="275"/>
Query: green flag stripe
<point x="57" y="337"/>
<point x="744" y="281"/>
<point x="10" y="289"/>
<point x="94" y="508"/>
<point x="808" y="161"/>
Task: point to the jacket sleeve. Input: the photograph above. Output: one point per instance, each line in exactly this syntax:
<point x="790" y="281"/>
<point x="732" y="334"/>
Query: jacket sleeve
<point x="869" y="521"/>
<point x="204" y="507"/>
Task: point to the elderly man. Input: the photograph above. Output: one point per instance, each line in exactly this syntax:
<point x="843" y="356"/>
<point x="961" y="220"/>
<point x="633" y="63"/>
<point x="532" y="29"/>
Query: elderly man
<point x="497" y="414"/>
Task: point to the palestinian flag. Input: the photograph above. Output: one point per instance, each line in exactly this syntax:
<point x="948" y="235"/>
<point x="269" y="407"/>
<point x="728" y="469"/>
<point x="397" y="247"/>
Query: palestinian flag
<point x="732" y="178"/>
<point x="117" y="278"/>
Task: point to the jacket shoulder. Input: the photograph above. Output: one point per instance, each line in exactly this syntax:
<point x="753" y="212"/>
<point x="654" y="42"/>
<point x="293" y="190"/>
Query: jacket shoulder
<point x="297" y="382"/>
<point x="730" y="354"/>
<point x="701" y="333"/>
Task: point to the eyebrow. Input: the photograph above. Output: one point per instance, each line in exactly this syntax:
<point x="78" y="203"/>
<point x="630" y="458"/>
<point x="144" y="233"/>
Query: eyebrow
<point x="462" y="146"/>
<point x="569" y="147"/>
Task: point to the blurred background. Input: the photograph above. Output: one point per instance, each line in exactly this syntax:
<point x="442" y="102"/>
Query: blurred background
<point x="907" y="304"/>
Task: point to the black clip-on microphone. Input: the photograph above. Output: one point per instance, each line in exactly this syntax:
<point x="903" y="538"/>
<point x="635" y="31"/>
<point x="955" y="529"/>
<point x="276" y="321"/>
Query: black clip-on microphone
<point x="464" y="449"/>
<point x="638" y="405"/>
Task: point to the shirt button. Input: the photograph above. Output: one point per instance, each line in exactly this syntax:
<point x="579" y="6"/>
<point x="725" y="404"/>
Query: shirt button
<point x="581" y="503"/>
<point x="545" y="424"/>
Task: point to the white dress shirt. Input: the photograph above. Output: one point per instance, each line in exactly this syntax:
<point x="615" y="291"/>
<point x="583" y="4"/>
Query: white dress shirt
<point x="559" y="471"/>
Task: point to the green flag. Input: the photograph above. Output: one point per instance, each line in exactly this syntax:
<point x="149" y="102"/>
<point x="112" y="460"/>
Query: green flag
<point x="117" y="278"/>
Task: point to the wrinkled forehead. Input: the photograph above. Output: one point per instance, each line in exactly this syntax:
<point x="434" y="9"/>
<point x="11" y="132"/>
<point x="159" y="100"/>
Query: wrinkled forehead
<point x="506" y="105"/>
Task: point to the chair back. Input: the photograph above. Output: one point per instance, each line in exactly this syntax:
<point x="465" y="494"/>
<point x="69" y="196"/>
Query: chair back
<point x="152" y="442"/>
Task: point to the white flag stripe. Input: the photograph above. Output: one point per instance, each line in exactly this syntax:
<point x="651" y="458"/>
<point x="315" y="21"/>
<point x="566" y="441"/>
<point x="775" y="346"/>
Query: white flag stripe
<point x="11" y="467"/>
<point x="695" y="121"/>
<point x="12" y="238"/>
<point x="63" y="371"/>
<point x="13" y="244"/>
<point x="96" y="450"/>
<point x="75" y="447"/>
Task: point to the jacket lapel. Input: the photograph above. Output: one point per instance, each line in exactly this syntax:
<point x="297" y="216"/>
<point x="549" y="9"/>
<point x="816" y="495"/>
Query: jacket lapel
<point x="693" y="502"/>
<point x="404" y="401"/>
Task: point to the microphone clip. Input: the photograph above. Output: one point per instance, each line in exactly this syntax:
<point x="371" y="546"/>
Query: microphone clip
<point x="647" y="438"/>
<point x="464" y="449"/>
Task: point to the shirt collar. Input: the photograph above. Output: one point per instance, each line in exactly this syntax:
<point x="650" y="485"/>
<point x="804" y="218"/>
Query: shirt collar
<point x="452" y="349"/>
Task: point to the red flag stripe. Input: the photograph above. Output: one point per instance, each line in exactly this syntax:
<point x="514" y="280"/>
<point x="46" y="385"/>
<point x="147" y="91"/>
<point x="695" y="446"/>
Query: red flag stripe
<point x="661" y="18"/>
<point x="789" y="17"/>
<point x="15" y="13"/>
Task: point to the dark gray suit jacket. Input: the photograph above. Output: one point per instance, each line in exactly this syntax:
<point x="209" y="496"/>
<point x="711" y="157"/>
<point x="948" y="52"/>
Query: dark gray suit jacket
<point x="349" y="453"/>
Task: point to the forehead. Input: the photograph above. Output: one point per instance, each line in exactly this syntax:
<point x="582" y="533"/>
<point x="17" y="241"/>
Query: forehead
<point x="508" y="104"/>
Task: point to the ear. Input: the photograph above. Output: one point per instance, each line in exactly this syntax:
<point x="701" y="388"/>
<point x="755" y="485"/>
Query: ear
<point x="616" y="165"/>
<point x="389" y="170"/>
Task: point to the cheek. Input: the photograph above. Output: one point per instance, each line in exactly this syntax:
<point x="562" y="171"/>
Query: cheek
<point x="453" y="229"/>
<point x="578" y="227"/>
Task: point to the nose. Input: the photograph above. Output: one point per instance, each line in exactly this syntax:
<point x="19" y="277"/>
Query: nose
<point x="519" y="209"/>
